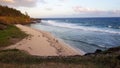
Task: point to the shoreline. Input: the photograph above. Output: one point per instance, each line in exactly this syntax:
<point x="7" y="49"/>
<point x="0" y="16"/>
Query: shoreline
<point x="42" y="43"/>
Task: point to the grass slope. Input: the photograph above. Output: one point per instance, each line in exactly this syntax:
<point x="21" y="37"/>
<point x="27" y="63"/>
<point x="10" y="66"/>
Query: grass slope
<point x="20" y="59"/>
<point x="10" y="35"/>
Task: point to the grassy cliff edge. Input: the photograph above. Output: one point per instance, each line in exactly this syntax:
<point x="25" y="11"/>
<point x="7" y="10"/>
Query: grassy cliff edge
<point x="105" y="59"/>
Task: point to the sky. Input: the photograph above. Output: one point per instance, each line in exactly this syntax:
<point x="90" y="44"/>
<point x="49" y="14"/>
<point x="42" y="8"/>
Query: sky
<point x="66" y="8"/>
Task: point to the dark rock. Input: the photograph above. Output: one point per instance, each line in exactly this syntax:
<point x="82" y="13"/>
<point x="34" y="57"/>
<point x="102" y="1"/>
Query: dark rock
<point x="98" y="51"/>
<point x="114" y="49"/>
<point x="88" y="54"/>
<point x="36" y="21"/>
<point x="118" y="57"/>
<point x="3" y="26"/>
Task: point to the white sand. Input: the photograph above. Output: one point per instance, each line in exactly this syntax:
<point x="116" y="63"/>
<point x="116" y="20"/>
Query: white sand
<point x="42" y="43"/>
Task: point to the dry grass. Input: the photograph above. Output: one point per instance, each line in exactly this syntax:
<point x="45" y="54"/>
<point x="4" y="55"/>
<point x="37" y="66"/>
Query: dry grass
<point x="14" y="20"/>
<point x="47" y="65"/>
<point x="14" y="58"/>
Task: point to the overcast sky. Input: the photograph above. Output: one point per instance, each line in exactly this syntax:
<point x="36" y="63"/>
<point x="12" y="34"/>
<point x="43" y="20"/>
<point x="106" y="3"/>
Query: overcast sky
<point x="66" y="8"/>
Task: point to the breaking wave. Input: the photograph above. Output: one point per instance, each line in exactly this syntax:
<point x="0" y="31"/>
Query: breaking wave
<point x="76" y="26"/>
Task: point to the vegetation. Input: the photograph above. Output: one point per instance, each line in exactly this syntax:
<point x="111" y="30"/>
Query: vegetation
<point x="14" y="58"/>
<point x="106" y="59"/>
<point x="6" y="11"/>
<point x="13" y="16"/>
<point x="10" y="35"/>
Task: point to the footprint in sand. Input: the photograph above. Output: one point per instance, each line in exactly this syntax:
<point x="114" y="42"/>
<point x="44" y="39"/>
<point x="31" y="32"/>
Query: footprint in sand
<point x="20" y="44"/>
<point x="43" y="36"/>
<point x="38" y="35"/>
<point x="30" y="48"/>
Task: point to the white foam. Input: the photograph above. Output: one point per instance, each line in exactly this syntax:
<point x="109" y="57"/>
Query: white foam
<point x="109" y="26"/>
<point x="119" y="27"/>
<point x="75" y="26"/>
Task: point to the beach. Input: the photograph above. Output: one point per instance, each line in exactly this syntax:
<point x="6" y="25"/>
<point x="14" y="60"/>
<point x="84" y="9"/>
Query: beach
<point x="82" y="33"/>
<point x="42" y="43"/>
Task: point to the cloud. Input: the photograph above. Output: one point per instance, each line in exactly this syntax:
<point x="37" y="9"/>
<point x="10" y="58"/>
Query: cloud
<point x="83" y="10"/>
<point x="116" y="11"/>
<point x="20" y="3"/>
<point x="11" y="1"/>
<point x="48" y="9"/>
<point x="23" y="3"/>
<point x="80" y="9"/>
<point x="63" y="0"/>
<point x="42" y="1"/>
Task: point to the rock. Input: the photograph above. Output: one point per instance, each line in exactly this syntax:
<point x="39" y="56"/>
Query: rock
<point x="118" y="57"/>
<point x="114" y="49"/>
<point x="3" y="26"/>
<point x="98" y="51"/>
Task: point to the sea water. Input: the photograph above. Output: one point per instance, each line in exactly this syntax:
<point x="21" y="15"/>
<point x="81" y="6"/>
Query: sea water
<point x="86" y="34"/>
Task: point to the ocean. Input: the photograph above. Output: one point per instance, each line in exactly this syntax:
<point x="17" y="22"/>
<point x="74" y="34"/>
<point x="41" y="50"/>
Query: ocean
<point x="86" y="34"/>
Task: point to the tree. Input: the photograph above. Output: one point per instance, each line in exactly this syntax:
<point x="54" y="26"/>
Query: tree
<point x="26" y="14"/>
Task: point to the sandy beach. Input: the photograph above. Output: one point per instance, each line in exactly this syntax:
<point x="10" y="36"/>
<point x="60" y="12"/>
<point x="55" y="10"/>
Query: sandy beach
<point x="41" y="43"/>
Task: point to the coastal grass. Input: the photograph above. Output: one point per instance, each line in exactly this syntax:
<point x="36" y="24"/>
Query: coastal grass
<point x="14" y="58"/>
<point x="10" y="35"/>
<point x="15" y="20"/>
<point x="12" y="16"/>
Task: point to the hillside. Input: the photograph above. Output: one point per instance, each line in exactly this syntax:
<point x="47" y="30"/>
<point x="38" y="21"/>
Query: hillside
<point x="10" y="34"/>
<point x="13" y="16"/>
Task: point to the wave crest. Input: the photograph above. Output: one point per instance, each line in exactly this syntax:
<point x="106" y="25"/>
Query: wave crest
<point x="76" y="26"/>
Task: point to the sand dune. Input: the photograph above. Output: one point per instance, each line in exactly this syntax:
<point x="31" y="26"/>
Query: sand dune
<point x="41" y="43"/>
